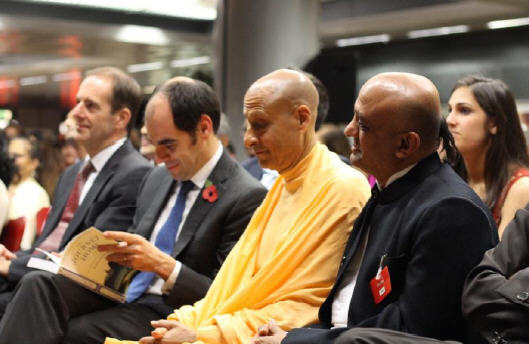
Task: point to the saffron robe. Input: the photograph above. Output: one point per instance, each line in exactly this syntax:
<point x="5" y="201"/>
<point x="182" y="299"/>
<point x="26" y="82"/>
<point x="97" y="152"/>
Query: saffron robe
<point x="285" y="263"/>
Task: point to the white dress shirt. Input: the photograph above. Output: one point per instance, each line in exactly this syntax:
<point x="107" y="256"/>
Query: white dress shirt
<point x="98" y="161"/>
<point x="268" y="178"/>
<point x="158" y="286"/>
<point x="342" y="298"/>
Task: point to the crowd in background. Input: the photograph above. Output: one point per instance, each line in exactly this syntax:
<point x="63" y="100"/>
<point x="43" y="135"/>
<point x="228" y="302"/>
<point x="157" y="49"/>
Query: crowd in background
<point x="482" y="122"/>
<point x="481" y="139"/>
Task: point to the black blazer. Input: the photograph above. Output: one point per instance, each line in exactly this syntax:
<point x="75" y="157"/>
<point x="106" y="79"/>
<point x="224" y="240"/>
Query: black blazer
<point x="108" y="205"/>
<point x="496" y="293"/>
<point x="210" y="229"/>
<point x="433" y="229"/>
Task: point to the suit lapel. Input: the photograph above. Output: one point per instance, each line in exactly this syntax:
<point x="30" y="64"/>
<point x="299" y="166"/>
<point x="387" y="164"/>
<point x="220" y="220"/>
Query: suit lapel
<point x="159" y="201"/>
<point x="360" y="229"/>
<point x="201" y="207"/>
<point x="102" y="178"/>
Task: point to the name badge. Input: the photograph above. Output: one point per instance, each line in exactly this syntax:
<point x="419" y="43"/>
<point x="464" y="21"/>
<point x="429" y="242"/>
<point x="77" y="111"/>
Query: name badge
<point x="381" y="283"/>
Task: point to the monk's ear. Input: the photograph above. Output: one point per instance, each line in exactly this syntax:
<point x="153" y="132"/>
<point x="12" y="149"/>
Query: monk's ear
<point x="407" y="144"/>
<point x="303" y="116"/>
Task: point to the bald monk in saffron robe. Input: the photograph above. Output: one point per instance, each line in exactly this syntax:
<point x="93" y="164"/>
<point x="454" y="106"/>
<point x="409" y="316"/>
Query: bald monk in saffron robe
<point x="285" y="263"/>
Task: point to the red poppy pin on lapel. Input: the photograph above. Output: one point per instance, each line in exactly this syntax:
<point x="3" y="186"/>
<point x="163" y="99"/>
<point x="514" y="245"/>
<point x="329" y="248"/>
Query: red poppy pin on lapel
<point x="210" y="192"/>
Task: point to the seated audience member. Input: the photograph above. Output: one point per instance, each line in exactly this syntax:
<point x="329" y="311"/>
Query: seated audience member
<point x="334" y="138"/>
<point x="496" y="291"/>
<point x="147" y="149"/>
<point x="70" y="152"/>
<point x="267" y="176"/>
<point x="418" y="236"/>
<point x="100" y="191"/>
<point x="26" y="196"/>
<point x="51" y="163"/>
<point x="484" y="122"/>
<point x="68" y="130"/>
<point x="192" y="211"/>
<point x="7" y="169"/>
<point x="494" y="297"/>
<point x="14" y="129"/>
<point x="285" y="262"/>
<point x="448" y="152"/>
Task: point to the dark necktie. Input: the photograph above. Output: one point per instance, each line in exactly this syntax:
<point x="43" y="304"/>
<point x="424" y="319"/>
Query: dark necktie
<point x="52" y="242"/>
<point x="165" y="241"/>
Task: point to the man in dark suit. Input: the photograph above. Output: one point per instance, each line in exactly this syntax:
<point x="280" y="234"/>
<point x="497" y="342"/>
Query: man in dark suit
<point x="108" y="99"/>
<point x="181" y="119"/>
<point x="496" y="293"/>
<point x="418" y="236"/>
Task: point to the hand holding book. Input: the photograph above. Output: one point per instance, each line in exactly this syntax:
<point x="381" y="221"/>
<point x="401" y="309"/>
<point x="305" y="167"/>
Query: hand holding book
<point x="138" y="253"/>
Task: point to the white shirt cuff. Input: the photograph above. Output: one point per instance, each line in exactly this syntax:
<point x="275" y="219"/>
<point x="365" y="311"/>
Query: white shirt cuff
<point x="169" y="284"/>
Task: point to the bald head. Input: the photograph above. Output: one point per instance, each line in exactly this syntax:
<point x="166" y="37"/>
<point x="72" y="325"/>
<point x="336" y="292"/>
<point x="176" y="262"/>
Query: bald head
<point x="396" y="123"/>
<point x="286" y="86"/>
<point x="280" y="109"/>
<point x="411" y="103"/>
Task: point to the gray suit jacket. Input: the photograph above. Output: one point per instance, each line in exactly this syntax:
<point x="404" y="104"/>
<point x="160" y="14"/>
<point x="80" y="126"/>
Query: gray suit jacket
<point x="108" y="205"/>
<point x="210" y="229"/>
<point x="496" y="293"/>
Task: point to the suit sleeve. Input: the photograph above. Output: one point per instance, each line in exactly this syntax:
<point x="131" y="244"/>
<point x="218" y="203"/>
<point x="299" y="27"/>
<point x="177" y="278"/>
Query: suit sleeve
<point x="115" y="214"/>
<point x="450" y="239"/>
<point x="312" y="336"/>
<point x="190" y="285"/>
<point x="118" y="213"/>
<point x="496" y="294"/>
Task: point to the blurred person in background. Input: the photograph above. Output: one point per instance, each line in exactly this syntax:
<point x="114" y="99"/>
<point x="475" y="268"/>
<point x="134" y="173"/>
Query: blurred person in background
<point x="486" y="128"/>
<point x="6" y="173"/>
<point x="51" y="163"/>
<point x="13" y="129"/>
<point x="224" y="135"/>
<point x="147" y="149"/>
<point x="334" y="138"/>
<point x="224" y="132"/>
<point x="26" y="196"/>
<point x="67" y="130"/>
<point x="70" y="152"/>
<point x="448" y="152"/>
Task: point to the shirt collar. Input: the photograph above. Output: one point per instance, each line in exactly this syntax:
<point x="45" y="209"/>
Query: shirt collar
<point x="100" y="159"/>
<point x="396" y="176"/>
<point x="199" y="178"/>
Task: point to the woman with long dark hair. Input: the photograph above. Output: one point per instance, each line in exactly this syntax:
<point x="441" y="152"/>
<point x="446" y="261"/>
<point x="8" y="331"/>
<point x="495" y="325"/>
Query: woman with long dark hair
<point x="486" y="128"/>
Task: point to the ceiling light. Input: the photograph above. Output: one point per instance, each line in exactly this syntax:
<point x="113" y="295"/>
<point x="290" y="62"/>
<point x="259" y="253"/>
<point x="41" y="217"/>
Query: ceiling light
<point x="7" y="83"/>
<point x="363" y="40"/>
<point x="66" y="76"/>
<point x="194" y="9"/>
<point x="500" y="24"/>
<point x="190" y="61"/>
<point x="438" y="31"/>
<point x="142" y="34"/>
<point x="33" y="80"/>
<point x="144" y="67"/>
